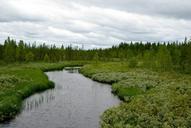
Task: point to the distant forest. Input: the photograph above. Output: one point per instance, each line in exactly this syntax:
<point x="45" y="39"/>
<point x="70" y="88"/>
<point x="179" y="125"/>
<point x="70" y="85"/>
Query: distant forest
<point x="158" y="56"/>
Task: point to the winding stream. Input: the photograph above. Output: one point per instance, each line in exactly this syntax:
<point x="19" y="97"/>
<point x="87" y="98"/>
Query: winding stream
<point x="75" y="102"/>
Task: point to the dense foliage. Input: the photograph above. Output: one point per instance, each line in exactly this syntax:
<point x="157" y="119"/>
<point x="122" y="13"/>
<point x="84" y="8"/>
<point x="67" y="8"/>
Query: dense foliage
<point x="18" y="81"/>
<point x="151" y="99"/>
<point x="149" y="77"/>
<point x="157" y="56"/>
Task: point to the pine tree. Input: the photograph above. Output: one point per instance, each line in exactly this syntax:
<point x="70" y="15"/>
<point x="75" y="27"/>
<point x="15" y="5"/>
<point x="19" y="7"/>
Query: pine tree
<point x="46" y="58"/>
<point x="20" y="51"/>
<point x="185" y="61"/>
<point x="29" y="57"/>
<point x="96" y="57"/>
<point x="164" y="60"/>
<point x="1" y="52"/>
<point x="149" y="59"/>
<point x="9" y="50"/>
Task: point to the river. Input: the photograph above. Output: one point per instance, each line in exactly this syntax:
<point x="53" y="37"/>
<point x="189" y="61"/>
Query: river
<point x="75" y="102"/>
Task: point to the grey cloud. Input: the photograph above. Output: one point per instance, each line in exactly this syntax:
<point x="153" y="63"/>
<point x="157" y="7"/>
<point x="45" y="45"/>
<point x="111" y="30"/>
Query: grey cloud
<point x="166" y="8"/>
<point x="9" y="13"/>
<point x="95" y="23"/>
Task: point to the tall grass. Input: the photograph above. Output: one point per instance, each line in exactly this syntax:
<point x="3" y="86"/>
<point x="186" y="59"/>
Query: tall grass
<point x="18" y="81"/>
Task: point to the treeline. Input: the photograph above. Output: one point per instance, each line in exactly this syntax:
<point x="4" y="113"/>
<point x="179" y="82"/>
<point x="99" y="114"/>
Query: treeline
<point x="12" y="51"/>
<point x="159" y="56"/>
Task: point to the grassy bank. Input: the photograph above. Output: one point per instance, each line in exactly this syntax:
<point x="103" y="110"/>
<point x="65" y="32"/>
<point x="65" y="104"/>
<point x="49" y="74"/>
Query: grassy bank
<point x="151" y="99"/>
<point x="18" y="81"/>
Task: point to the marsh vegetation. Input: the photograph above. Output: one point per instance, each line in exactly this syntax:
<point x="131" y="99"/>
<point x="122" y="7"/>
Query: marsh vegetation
<point x="152" y="79"/>
<point x="151" y="99"/>
<point x="76" y="101"/>
<point x="18" y="81"/>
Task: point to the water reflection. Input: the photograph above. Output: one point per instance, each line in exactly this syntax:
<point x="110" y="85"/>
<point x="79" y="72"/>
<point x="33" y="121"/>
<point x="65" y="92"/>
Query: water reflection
<point x="75" y="102"/>
<point x="38" y="100"/>
<point x="72" y="69"/>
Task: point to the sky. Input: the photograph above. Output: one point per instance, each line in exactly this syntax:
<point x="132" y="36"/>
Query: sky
<point x="95" y="23"/>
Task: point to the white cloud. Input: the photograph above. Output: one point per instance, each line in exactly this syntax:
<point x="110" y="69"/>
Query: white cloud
<point x="97" y="24"/>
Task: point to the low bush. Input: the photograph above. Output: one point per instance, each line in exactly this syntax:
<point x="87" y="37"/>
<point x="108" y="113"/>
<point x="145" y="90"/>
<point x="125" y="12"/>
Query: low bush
<point x="153" y="99"/>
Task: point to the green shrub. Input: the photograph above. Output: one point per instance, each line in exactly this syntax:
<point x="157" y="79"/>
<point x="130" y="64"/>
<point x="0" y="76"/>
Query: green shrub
<point x="133" y="63"/>
<point x="154" y="99"/>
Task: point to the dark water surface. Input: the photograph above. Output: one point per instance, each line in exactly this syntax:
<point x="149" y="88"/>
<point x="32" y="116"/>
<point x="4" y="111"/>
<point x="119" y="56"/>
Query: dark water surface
<point x="75" y="102"/>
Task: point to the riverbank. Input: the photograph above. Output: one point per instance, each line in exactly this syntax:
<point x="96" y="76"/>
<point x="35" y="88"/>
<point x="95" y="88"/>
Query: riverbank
<point x="75" y="102"/>
<point x="18" y="81"/>
<point x="151" y="99"/>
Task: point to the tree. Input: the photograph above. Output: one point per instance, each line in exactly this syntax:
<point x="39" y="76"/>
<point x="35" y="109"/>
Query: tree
<point x="96" y="57"/>
<point x="164" y="60"/>
<point x="1" y="52"/>
<point x="9" y="50"/>
<point x="176" y="54"/>
<point x="46" y="58"/>
<point x="185" y="61"/>
<point x="185" y="40"/>
<point x="166" y="56"/>
<point x="29" y="57"/>
<point x="149" y="59"/>
<point x="20" y="51"/>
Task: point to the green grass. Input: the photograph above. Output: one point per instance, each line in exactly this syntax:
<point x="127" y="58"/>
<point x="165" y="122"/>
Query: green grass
<point x="107" y="67"/>
<point x="18" y="81"/>
<point x="126" y="82"/>
<point x="151" y="99"/>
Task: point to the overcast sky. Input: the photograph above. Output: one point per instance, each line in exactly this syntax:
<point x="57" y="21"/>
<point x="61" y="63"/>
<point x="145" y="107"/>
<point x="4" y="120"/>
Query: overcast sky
<point x="95" y="23"/>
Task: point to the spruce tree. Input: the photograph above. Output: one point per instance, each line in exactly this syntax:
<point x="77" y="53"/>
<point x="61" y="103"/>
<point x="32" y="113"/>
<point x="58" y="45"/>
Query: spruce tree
<point x="164" y="60"/>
